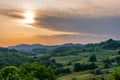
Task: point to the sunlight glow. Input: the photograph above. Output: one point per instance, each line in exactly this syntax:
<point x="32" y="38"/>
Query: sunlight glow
<point x="29" y="18"/>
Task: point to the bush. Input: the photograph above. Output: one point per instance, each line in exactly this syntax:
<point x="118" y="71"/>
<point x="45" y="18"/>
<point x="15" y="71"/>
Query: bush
<point x="93" y="58"/>
<point x="81" y="67"/>
<point x="27" y="72"/>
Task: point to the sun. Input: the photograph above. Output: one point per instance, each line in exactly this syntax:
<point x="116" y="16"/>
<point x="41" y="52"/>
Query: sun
<point x="29" y="18"/>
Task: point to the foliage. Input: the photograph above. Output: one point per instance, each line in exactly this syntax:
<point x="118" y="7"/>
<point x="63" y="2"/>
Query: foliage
<point x="74" y="79"/>
<point x="109" y="44"/>
<point x="81" y="67"/>
<point x="65" y="51"/>
<point x="115" y="75"/>
<point x="13" y="57"/>
<point x="108" y="61"/>
<point x="62" y="70"/>
<point x="28" y="72"/>
<point x="10" y="73"/>
<point x="106" y="65"/>
<point x="93" y="58"/>
<point x="64" y="60"/>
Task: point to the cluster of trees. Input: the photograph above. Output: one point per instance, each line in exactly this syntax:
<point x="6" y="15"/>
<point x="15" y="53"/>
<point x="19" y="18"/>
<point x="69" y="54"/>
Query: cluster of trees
<point x="81" y="67"/>
<point x="7" y="50"/>
<point x="13" y="57"/>
<point x="27" y="72"/>
<point x="65" y="51"/>
<point x="62" y="71"/>
<point x="16" y="58"/>
<point x="119" y="52"/>
<point x="109" y="44"/>
<point x="93" y="58"/>
<point x="115" y="75"/>
<point x="108" y="61"/>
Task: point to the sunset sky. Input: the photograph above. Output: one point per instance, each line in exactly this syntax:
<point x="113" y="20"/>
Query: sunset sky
<point x="52" y="22"/>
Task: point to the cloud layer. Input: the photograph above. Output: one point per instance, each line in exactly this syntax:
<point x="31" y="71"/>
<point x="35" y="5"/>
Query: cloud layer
<point x="81" y="21"/>
<point x="107" y="25"/>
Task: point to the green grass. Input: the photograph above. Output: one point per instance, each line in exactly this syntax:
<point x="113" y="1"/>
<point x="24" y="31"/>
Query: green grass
<point x="66" y="59"/>
<point x="82" y="76"/>
<point x="83" y="58"/>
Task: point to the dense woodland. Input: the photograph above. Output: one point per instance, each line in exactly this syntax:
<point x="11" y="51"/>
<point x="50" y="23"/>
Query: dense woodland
<point x="99" y="61"/>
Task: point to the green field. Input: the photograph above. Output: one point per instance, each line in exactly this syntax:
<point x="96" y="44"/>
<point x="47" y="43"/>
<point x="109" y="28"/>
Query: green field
<point x="83" y="58"/>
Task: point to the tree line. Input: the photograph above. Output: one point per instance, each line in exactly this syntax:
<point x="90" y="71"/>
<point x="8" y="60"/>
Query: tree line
<point x="32" y="71"/>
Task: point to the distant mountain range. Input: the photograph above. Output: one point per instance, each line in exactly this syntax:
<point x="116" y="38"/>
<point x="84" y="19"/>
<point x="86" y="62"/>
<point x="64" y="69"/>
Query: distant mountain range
<point x="27" y="47"/>
<point x="38" y="48"/>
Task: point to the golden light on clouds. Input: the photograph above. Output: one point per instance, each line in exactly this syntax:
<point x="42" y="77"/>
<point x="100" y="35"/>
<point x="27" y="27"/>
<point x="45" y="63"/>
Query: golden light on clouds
<point x="58" y="21"/>
<point x="29" y="17"/>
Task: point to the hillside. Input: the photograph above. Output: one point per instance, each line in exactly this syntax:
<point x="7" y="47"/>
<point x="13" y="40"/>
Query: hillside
<point x="12" y="57"/>
<point x="108" y="44"/>
<point x="35" y="48"/>
<point x="69" y="60"/>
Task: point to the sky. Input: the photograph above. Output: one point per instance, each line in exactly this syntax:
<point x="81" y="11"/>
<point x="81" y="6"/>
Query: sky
<point x="53" y="22"/>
